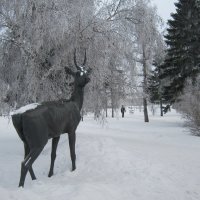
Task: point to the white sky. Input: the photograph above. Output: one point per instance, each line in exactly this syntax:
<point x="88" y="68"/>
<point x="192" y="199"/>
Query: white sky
<point x="165" y="7"/>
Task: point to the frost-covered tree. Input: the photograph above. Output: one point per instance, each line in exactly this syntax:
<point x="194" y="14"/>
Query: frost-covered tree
<point x="147" y="37"/>
<point x="188" y="105"/>
<point x="33" y="45"/>
<point x="39" y="38"/>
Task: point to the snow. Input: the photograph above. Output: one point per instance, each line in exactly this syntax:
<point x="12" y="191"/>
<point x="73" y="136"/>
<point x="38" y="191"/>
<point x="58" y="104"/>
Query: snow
<point x="25" y="108"/>
<point x="124" y="159"/>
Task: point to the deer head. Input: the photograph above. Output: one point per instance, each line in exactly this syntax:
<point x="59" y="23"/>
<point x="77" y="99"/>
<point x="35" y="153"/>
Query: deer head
<point x="81" y="76"/>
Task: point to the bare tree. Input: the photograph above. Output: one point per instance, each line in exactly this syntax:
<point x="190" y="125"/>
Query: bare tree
<point x="147" y="36"/>
<point x="40" y="35"/>
<point x="188" y="105"/>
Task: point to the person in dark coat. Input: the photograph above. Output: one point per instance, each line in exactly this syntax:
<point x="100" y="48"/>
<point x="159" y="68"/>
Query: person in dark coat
<point x="123" y="110"/>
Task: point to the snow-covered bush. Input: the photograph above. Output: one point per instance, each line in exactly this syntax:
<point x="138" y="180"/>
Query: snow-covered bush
<point x="189" y="105"/>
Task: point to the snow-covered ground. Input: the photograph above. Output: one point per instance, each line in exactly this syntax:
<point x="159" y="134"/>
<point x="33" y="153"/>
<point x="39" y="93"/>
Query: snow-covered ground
<point x="125" y="159"/>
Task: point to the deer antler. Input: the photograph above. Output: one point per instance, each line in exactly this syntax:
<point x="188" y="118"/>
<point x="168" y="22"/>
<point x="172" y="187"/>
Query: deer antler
<point x="77" y="67"/>
<point x="85" y="59"/>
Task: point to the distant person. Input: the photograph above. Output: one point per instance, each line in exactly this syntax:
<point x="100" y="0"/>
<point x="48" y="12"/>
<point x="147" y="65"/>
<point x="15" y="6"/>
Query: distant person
<point x="166" y="109"/>
<point x="123" y="110"/>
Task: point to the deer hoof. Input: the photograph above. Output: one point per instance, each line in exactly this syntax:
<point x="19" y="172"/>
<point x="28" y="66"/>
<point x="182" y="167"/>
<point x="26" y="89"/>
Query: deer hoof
<point x="73" y="169"/>
<point x="50" y="174"/>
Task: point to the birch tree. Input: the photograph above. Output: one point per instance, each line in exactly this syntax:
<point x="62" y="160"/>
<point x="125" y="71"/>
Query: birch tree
<point x="40" y="37"/>
<point x="147" y="36"/>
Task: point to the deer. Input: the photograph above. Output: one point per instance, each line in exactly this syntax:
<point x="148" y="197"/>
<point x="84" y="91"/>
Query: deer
<point x="49" y="120"/>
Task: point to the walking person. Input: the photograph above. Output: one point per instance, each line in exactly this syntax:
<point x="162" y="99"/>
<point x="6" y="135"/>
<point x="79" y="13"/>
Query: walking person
<point x="123" y="110"/>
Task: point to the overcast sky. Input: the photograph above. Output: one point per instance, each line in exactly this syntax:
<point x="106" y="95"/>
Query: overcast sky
<point x="165" y="7"/>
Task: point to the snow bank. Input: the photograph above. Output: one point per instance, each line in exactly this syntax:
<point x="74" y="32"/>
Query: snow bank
<point x="125" y="159"/>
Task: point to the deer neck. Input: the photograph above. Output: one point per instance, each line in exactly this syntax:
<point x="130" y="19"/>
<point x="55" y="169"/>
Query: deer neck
<point x="77" y="96"/>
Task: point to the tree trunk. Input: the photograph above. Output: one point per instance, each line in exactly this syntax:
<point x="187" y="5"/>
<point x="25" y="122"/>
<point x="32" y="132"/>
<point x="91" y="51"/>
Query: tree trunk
<point x="82" y="113"/>
<point x="106" y="108"/>
<point x="146" y="118"/>
<point x="112" y="102"/>
<point x="112" y="111"/>
<point x="161" y="109"/>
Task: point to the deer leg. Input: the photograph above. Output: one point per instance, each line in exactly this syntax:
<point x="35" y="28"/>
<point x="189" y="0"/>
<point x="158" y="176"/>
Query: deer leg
<point x="27" y="151"/>
<point x="72" y="141"/>
<point x="53" y="154"/>
<point x="27" y="164"/>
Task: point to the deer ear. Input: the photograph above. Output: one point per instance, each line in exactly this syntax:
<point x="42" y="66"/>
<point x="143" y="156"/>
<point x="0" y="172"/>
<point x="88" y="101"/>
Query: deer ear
<point x="69" y="71"/>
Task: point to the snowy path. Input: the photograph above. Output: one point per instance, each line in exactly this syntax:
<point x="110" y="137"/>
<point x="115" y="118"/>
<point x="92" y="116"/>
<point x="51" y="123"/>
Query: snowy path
<point x="126" y="159"/>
